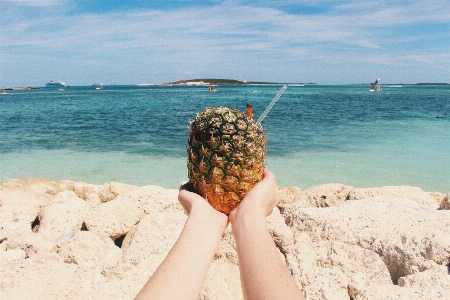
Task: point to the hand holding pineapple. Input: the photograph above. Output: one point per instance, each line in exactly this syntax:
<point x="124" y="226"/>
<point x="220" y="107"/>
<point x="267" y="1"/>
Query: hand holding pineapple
<point x="260" y="201"/>
<point x="226" y="151"/>
<point x="193" y="203"/>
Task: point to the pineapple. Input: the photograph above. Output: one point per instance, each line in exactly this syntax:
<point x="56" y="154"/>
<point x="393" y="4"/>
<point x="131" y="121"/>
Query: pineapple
<point x="226" y="152"/>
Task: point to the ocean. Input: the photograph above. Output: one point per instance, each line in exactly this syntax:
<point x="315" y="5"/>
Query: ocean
<point x="317" y="134"/>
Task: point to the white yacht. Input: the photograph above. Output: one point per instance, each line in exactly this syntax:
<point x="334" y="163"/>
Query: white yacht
<point x="55" y="84"/>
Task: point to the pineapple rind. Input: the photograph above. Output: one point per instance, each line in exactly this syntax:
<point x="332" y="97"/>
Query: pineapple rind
<point x="226" y="152"/>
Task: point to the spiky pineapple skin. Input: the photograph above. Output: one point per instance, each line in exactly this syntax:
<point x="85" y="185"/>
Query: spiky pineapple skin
<point x="226" y="152"/>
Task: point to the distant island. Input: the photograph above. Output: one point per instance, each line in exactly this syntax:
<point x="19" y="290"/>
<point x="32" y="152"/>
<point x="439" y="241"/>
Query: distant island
<point x="215" y="81"/>
<point x="432" y="83"/>
<point x="19" y="88"/>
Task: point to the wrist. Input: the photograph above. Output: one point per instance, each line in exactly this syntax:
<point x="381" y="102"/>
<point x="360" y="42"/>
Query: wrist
<point x="246" y="212"/>
<point x="244" y="220"/>
<point x="208" y="217"/>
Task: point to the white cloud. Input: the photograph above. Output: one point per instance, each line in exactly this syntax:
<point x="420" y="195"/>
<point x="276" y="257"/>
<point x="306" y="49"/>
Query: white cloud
<point x="226" y="37"/>
<point x="36" y="2"/>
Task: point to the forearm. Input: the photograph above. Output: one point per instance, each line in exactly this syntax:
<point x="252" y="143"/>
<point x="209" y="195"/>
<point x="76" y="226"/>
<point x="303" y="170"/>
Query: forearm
<point x="181" y="274"/>
<point x="263" y="273"/>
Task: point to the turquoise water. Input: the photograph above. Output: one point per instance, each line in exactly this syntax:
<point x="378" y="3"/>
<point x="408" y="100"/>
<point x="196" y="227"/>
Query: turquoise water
<point x="316" y="134"/>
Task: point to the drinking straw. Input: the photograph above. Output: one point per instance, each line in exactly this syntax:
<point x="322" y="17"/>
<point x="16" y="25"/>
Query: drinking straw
<point x="271" y="104"/>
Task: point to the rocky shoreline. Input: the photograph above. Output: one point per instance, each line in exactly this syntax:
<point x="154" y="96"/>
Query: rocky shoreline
<point x="74" y="240"/>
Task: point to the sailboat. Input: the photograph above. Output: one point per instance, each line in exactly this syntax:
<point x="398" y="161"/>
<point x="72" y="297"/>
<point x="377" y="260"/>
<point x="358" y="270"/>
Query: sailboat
<point x="375" y="86"/>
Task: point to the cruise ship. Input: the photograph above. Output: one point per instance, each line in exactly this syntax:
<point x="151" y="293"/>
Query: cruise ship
<point x="55" y="84"/>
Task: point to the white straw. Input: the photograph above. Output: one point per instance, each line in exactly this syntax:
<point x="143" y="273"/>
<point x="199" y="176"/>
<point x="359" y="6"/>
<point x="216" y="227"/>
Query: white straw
<point x="264" y="114"/>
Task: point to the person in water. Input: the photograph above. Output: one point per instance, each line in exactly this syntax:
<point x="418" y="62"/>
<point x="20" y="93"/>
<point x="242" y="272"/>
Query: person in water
<point x="263" y="273"/>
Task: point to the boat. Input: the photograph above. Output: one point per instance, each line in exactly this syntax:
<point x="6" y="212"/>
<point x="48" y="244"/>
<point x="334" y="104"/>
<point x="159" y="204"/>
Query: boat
<point x="98" y="86"/>
<point x="375" y="86"/>
<point x="55" y="84"/>
<point x="3" y="92"/>
<point x="211" y="89"/>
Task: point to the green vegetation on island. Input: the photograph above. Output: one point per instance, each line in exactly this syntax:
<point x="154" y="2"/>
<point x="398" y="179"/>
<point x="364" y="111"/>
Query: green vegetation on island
<point x="432" y="83"/>
<point x="215" y="81"/>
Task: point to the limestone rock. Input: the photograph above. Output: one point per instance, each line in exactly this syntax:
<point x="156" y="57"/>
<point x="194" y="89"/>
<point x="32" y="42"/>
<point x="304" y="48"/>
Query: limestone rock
<point x="222" y="282"/>
<point x="339" y="242"/>
<point x="92" y="194"/>
<point x="288" y="195"/>
<point x="64" y="215"/>
<point x="402" y="233"/>
<point x="445" y="203"/>
<point x="48" y="277"/>
<point x="89" y="250"/>
<point x="31" y="243"/>
<point x="19" y="209"/>
<point x="324" y="195"/>
<point x="41" y="188"/>
<point x="153" y="198"/>
<point x="155" y="234"/>
<point x="12" y="255"/>
<point x="406" y="192"/>
<point x="117" y="188"/>
<point x="428" y="279"/>
<point x="115" y="217"/>
<point x="227" y="248"/>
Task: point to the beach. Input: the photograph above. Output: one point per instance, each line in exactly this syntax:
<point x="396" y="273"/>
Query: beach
<point x="76" y="240"/>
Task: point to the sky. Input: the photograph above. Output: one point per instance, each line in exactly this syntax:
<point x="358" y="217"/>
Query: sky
<point x="158" y="41"/>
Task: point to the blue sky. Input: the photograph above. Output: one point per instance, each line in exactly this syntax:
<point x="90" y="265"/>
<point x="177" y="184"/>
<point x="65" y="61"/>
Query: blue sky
<point x="131" y="42"/>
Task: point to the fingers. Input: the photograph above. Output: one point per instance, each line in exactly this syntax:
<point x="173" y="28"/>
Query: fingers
<point x="269" y="175"/>
<point x="186" y="187"/>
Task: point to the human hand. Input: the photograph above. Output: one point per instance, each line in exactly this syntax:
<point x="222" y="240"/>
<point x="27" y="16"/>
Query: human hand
<point x="193" y="203"/>
<point x="261" y="200"/>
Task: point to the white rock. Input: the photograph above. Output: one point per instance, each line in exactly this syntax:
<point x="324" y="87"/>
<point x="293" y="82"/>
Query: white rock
<point x="48" y="277"/>
<point x="117" y="216"/>
<point x="335" y="247"/>
<point x="117" y="188"/>
<point x="31" y="243"/>
<point x="12" y="255"/>
<point x="403" y="233"/>
<point x="90" y="251"/>
<point x="92" y="194"/>
<point x="19" y="209"/>
<point x="445" y="203"/>
<point x="324" y="195"/>
<point x="222" y="282"/>
<point x="407" y="192"/>
<point x="155" y="234"/>
<point x="64" y="215"/>
<point x="288" y="195"/>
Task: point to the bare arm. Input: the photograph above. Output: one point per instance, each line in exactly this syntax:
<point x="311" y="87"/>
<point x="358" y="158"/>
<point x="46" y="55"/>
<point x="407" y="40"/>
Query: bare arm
<point x="263" y="273"/>
<point x="181" y="274"/>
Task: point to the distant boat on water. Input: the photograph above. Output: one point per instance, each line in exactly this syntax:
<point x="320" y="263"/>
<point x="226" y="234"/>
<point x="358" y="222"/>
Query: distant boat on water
<point x="211" y="89"/>
<point x="98" y="86"/>
<point x="376" y="86"/>
<point x="55" y="84"/>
